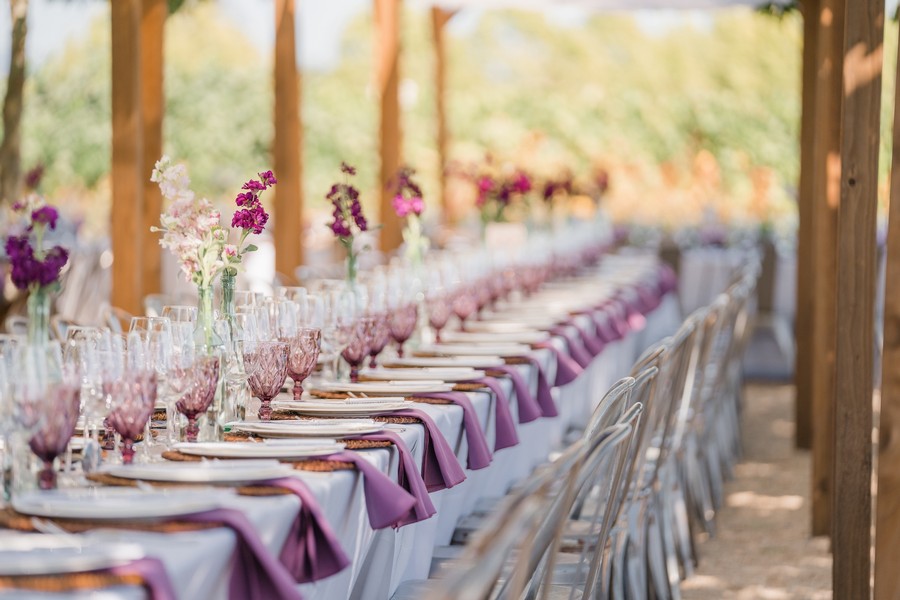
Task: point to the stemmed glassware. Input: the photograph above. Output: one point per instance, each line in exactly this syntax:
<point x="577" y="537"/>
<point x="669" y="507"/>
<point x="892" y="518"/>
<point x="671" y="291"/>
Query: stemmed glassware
<point x="402" y="324"/>
<point x="133" y="394"/>
<point x="464" y="304"/>
<point x="200" y="390"/>
<point x="180" y="314"/>
<point x="439" y="311"/>
<point x="357" y="349"/>
<point x="266" y="364"/>
<point x="82" y="352"/>
<point x="303" y="356"/>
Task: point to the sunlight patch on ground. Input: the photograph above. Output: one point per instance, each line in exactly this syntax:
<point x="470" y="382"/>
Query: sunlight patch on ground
<point x="703" y="582"/>
<point x="763" y="502"/>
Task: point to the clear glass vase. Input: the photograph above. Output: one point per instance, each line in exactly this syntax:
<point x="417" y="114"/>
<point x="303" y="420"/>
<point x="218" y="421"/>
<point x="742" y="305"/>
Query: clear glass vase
<point x="38" y="306"/>
<point x="237" y="390"/>
<point x="208" y="343"/>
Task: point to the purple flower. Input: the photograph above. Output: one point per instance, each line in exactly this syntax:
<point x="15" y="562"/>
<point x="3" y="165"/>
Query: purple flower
<point x="254" y="219"/>
<point x="34" y="176"/>
<point x="47" y="215"/>
<point x="345" y="168"/>
<point x="268" y="178"/>
<point x="27" y="269"/>
<point x="347" y="209"/>
<point x="254" y="186"/>
<point x="245" y="199"/>
<point x="521" y="183"/>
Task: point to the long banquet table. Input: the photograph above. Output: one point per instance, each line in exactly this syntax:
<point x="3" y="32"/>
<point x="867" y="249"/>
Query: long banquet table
<point x="199" y="562"/>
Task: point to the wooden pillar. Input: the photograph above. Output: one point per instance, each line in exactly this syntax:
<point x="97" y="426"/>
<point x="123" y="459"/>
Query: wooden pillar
<point x="127" y="218"/>
<point x="857" y="259"/>
<point x="887" y="509"/>
<point x="288" y="230"/>
<point x="826" y="196"/>
<point x="153" y="20"/>
<point x="387" y="55"/>
<point x="439" y="18"/>
<point x="805" y="271"/>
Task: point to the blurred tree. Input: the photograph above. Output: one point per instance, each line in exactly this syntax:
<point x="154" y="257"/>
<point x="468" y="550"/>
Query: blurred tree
<point x="10" y="160"/>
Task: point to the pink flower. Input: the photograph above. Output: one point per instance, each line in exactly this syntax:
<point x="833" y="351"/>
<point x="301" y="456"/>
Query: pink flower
<point x="401" y="206"/>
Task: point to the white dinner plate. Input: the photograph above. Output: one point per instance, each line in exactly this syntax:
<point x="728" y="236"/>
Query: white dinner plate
<point x="493" y="337"/>
<point x="112" y="503"/>
<point x="447" y="374"/>
<point x="502" y="350"/>
<point x="33" y="554"/>
<point x="351" y="407"/>
<point x="205" y="472"/>
<point x="332" y="428"/>
<point x="389" y="388"/>
<point x="284" y="449"/>
<point x="477" y="362"/>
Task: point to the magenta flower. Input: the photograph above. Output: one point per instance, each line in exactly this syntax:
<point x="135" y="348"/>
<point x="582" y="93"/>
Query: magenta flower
<point x="407" y="194"/>
<point x="347" y="209"/>
<point x="27" y="269"/>
<point x="268" y="178"/>
<point x="46" y="215"/>
<point x="252" y="217"/>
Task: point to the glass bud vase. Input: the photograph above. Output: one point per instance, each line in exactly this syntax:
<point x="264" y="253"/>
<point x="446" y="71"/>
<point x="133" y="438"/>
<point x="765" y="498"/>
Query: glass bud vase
<point x="38" y="306"/>
<point x="208" y="343"/>
<point x="237" y="390"/>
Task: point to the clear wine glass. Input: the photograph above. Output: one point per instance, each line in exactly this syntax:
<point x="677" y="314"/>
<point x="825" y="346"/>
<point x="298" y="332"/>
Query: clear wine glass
<point x="304" y="354"/>
<point x="179" y="313"/>
<point x="266" y="364"/>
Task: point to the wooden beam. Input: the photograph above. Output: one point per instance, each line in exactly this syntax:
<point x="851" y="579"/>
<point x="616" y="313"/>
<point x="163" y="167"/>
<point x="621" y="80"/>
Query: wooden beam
<point x="439" y="18"/>
<point x="887" y="507"/>
<point x="857" y="259"/>
<point x="127" y="226"/>
<point x="153" y="21"/>
<point x="288" y="231"/>
<point x="387" y="55"/>
<point x="805" y="271"/>
<point x="826" y="194"/>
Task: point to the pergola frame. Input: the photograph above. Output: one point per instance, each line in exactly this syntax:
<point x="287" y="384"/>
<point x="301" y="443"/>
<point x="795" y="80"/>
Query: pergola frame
<point x="842" y="67"/>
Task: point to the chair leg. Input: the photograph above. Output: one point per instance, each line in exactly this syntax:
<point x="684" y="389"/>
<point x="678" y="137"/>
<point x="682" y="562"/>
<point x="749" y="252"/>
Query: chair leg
<point x="656" y="558"/>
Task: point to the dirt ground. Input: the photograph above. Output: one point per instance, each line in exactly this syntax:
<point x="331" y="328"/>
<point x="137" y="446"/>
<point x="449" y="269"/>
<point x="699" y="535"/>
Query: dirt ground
<point x="763" y="549"/>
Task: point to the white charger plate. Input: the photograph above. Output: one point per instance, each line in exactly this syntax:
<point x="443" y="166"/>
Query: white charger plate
<point x="356" y="407"/>
<point x="299" y="448"/>
<point x="332" y="428"/>
<point x="33" y="554"/>
<point x="389" y="388"/>
<point x="112" y="503"/>
<point x="476" y="362"/>
<point x="502" y="350"/>
<point x="447" y="374"/>
<point x="488" y="336"/>
<point x="205" y="472"/>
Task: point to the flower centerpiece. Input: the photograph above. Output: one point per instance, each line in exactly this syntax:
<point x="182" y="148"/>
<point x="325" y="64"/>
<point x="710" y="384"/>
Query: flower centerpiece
<point x="496" y="194"/>
<point x="349" y="224"/>
<point x="35" y="268"/>
<point x="409" y="205"/>
<point x="191" y="229"/>
<point x="250" y="217"/>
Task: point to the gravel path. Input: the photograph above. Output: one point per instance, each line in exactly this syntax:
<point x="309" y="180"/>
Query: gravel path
<point x="763" y="549"/>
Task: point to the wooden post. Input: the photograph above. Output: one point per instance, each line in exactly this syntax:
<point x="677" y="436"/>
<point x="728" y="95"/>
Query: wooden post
<point x="153" y="20"/>
<point x="127" y="161"/>
<point x="387" y="53"/>
<point x="887" y="508"/>
<point x="826" y="195"/>
<point x="805" y="271"/>
<point x="857" y="259"/>
<point x="439" y="18"/>
<point x="288" y="230"/>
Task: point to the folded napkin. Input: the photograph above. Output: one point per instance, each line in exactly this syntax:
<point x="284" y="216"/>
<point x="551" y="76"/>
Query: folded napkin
<point x="479" y="454"/>
<point x="408" y="476"/>
<point x="256" y="574"/>
<point x="576" y="350"/>
<point x="529" y="409"/>
<point x="506" y="435"/>
<point x="311" y="551"/>
<point x="386" y="502"/>
<point x="544" y="395"/>
<point x="593" y="344"/>
<point x="440" y="467"/>
<point x="567" y="370"/>
<point x="153" y="575"/>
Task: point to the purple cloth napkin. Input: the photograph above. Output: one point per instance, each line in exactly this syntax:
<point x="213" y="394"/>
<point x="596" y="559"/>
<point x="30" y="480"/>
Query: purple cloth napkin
<point x="576" y="350"/>
<point x="311" y="551"/>
<point x="544" y="395"/>
<point x="408" y="476"/>
<point x="151" y="570"/>
<point x="256" y="574"/>
<point x="479" y="454"/>
<point x="386" y="502"/>
<point x="440" y="467"/>
<point x="505" y="426"/>
<point x="589" y="338"/>
<point x="529" y="409"/>
<point x="567" y="370"/>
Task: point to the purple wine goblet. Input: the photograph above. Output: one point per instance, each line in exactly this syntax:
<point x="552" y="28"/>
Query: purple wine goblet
<point x="403" y="324"/>
<point x="304" y="353"/>
<point x="381" y="335"/>
<point x="266" y="364"/>
<point x="133" y="399"/>
<point x="358" y="348"/>
<point x="204" y="379"/>
<point x="439" y="311"/>
<point x="58" y="425"/>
